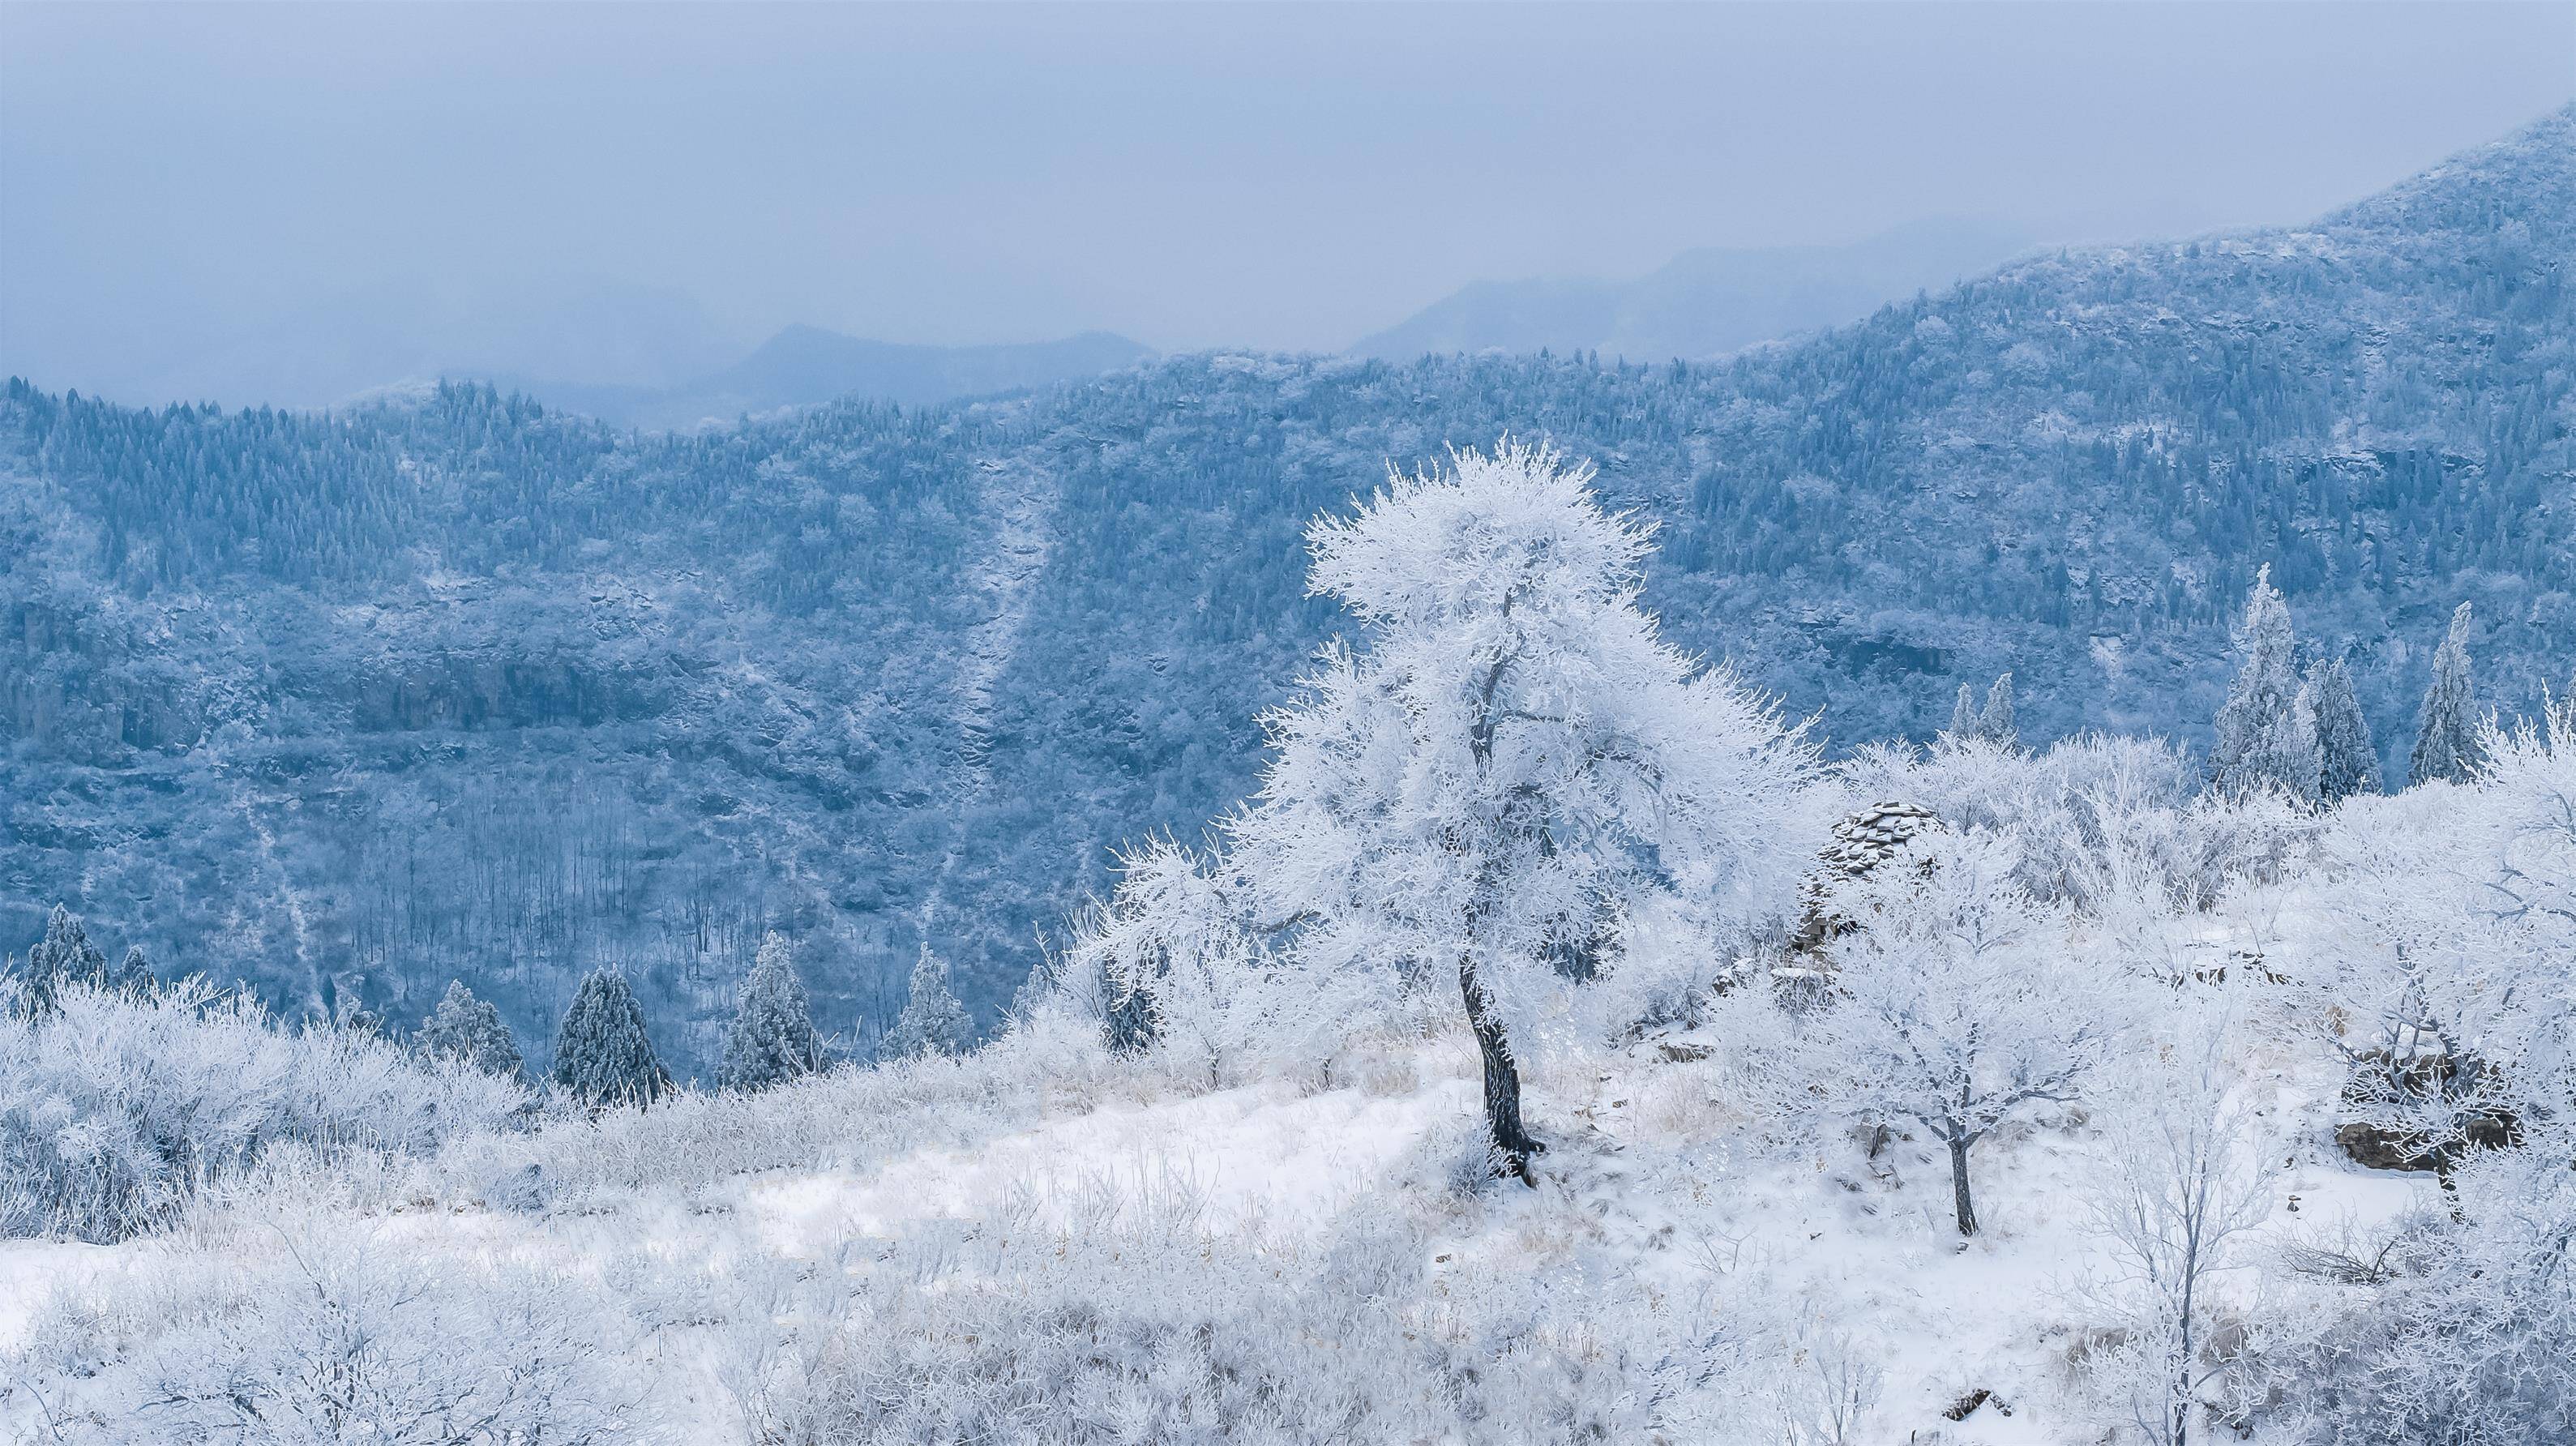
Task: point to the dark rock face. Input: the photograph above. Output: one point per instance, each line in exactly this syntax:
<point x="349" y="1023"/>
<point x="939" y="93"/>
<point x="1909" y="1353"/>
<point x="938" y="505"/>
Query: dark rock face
<point x="2442" y="1084"/>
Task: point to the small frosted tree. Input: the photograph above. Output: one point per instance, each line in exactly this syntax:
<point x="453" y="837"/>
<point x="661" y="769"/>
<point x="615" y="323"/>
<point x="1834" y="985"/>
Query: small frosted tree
<point x="2186" y="1179"/>
<point x="1995" y="724"/>
<point x="1952" y="1003"/>
<point x="772" y="1038"/>
<point x="134" y="976"/>
<point x="2267" y="731"/>
<point x="1963" y="716"/>
<point x="603" y="1056"/>
<point x="2347" y="759"/>
<point x="932" y="1022"/>
<point x="471" y="1031"/>
<point x="64" y="957"/>
<point x="1512" y="768"/>
<point x="2447" y="744"/>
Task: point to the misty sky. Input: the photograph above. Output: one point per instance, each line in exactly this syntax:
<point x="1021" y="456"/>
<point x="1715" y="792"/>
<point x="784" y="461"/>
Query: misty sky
<point x="173" y="181"/>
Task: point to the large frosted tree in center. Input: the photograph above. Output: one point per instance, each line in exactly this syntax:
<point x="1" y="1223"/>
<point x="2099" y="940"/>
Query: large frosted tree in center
<point x="1510" y="765"/>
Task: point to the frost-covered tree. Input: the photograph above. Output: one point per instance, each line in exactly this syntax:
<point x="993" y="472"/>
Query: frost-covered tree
<point x="2347" y="759"/>
<point x="134" y="973"/>
<point x="1995" y="724"/>
<point x="603" y="1056"/>
<point x="2185" y="1180"/>
<point x="2446" y="740"/>
<point x="772" y="1038"/>
<point x="471" y="1031"/>
<point x="2439" y="966"/>
<point x="64" y="957"/>
<point x="932" y="1022"/>
<point x="1951" y="1003"/>
<point x="2267" y="733"/>
<point x="1512" y="768"/>
<point x="1963" y="716"/>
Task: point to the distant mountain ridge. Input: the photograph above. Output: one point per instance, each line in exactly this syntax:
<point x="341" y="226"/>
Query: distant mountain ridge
<point x="349" y="705"/>
<point x="806" y="366"/>
<point x="1703" y="303"/>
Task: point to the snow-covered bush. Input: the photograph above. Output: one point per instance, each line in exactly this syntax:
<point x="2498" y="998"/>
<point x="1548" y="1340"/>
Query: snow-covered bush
<point x="334" y="1335"/>
<point x="2456" y="1329"/>
<point x="1135" y="1320"/>
<point x="2439" y="966"/>
<point x="2099" y="818"/>
<point x="114" y="1106"/>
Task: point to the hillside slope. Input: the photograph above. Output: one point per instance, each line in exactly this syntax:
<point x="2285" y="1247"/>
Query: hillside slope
<point x="351" y="705"/>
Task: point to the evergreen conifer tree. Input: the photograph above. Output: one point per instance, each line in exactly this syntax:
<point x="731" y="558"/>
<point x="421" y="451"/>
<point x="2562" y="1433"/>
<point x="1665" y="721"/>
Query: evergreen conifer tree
<point x="134" y="974"/>
<point x="64" y="957"/>
<point x="772" y="1038"/>
<point x="465" y="1028"/>
<point x="2348" y="761"/>
<point x="2267" y="729"/>
<point x="603" y="1056"/>
<point x="1963" y="717"/>
<point x="933" y="1022"/>
<point x="1995" y="724"/>
<point x="2446" y="742"/>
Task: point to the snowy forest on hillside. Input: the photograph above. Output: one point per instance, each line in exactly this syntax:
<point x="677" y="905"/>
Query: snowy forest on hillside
<point x="1554" y="1041"/>
<point x="345" y="707"/>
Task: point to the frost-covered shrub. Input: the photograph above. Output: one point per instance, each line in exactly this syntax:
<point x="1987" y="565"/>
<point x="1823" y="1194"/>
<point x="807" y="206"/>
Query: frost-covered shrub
<point x="2098" y="817"/>
<point x="2455" y="1331"/>
<point x="2439" y="964"/>
<point x="1140" y="1324"/>
<point x="114" y="1106"/>
<point x="336" y="1337"/>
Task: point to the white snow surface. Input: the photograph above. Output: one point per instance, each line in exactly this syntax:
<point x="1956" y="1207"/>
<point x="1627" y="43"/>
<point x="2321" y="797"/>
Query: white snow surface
<point x="1648" y="1167"/>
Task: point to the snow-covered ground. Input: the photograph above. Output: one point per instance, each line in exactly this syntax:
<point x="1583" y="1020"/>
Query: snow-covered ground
<point x="1654" y="1184"/>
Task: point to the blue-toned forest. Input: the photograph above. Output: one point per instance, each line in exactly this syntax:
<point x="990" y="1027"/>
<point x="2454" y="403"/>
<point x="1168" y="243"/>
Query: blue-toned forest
<point x="350" y="705"/>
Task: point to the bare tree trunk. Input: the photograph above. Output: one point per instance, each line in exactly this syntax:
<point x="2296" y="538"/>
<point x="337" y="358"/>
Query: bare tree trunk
<point x="1959" y="1184"/>
<point x="1512" y="1142"/>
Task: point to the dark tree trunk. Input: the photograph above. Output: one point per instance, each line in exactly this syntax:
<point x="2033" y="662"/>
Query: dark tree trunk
<point x="1959" y="1184"/>
<point x="1512" y="1142"/>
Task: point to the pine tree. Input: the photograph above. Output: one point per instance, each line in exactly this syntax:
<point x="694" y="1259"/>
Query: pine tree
<point x="2446" y="743"/>
<point x="134" y="977"/>
<point x="1963" y="717"/>
<point x="64" y="957"/>
<point x="933" y="1022"/>
<point x="465" y="1028"/>
<point x="1995" y="724"/>
<point x="2267" y="732"/>
<point x="772" y="1038"/>
<point x="603" y="1056"/>
<point x="2348" y="761"/>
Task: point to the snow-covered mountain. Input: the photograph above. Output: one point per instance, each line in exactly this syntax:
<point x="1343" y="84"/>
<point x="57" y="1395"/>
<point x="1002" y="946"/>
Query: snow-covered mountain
<point x="1703" y="303"/>
<point x="455" y="686"/>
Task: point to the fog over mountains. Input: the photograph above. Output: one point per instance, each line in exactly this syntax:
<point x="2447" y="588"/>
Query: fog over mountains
<point x="1704" y="303"/>
<point x="456" y="685"/>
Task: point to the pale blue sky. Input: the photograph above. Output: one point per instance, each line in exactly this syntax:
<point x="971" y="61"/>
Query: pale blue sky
<point x="171" y="179"/>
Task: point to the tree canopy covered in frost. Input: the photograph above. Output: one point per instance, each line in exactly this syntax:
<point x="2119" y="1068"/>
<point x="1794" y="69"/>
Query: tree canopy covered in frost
<point x="1952" y="1002"/>
<point x="471" y="1031"/>
<point x="1508" y="779"/>
<point x="933" y="1022"/>
<point x="2267" y="731"/>
<point x="772" y="1038"/>
<point x="2446" y="734"/>
<point x="603" y="1054"/>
